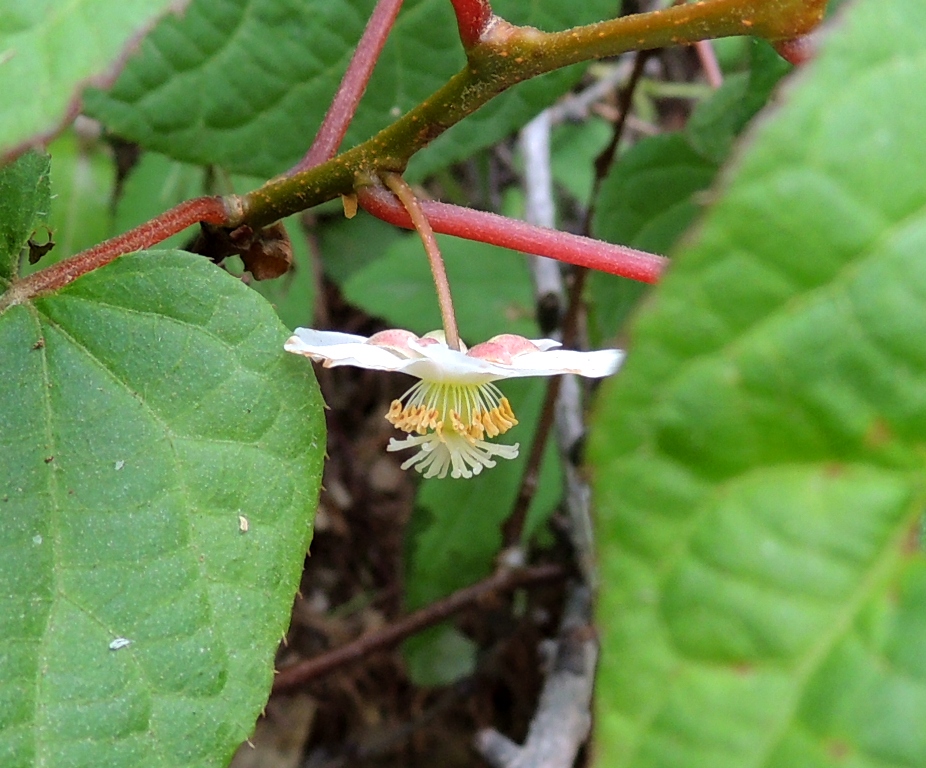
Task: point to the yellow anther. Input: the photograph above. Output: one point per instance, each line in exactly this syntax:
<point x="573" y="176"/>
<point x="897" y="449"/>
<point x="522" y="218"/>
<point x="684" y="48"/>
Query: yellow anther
<point x="472" y="414"/>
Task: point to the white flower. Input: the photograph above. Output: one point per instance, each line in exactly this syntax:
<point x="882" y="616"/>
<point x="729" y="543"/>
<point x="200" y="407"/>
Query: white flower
<point x="455" y="406"/>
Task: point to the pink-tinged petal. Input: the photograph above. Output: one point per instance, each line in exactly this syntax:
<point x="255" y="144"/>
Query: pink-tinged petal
<point x="396" y="339"/>
<point x="429" y="358"/>
<point x="503" y="349"/>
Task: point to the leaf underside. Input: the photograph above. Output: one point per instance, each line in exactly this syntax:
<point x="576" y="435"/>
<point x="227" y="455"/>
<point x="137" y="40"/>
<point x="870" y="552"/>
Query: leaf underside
<point x="758" y="463"/>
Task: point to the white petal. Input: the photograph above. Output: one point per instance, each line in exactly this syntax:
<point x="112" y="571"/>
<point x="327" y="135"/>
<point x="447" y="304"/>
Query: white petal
<point x="333" y="353"/>
<point x="545" y="344"/>
<point x="327" y="338"/>
<point x="438" y="363"/>
<point x="442" y="364"/>
<point x="602" y="362"/>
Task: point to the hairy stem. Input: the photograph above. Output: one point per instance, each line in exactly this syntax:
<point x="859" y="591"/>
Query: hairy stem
<point x="520" y="236"/>
<point x="419" y="220"/>
<point x="354" y="83"/>
<point x="208" y="209"/>
<point x="506" y="55"/>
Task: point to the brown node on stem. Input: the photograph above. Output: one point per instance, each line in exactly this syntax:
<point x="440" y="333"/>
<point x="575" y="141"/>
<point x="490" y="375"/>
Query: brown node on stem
<point x="267" y="253"/>
<point x="798" y="50"/>
<point x="38" y="250"/>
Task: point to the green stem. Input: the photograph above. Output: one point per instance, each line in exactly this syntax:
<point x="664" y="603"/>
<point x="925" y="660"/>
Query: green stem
<point x="507" y="55"/>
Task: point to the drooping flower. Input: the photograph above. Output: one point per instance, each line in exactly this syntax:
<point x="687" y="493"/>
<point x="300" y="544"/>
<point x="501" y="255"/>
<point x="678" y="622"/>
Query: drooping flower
<point x="454" y="409"/>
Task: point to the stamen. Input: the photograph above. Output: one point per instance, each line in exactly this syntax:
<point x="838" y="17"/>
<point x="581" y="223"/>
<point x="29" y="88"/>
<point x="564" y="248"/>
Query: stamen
<point x="472" y="410"/>
<point x="447" y="424"/>
<point x="439" y="453"/>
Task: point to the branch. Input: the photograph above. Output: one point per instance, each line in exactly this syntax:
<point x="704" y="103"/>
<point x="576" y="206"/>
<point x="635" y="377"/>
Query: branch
<point x="507" y="55"/>
<point x="519" y="235"/>
<point x="503" y="580"/>
<point x="353" y="84"/>
<point x="504" y="56"/>
<point x="212" y="210"/>
<point x="561" y="723"/>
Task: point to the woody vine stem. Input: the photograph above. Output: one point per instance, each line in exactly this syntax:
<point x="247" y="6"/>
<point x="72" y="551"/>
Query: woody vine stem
<point x="499" y="55"/>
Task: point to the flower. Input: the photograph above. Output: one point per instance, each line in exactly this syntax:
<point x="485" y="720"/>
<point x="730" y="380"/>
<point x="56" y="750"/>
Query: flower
<point x="455" y="406"/>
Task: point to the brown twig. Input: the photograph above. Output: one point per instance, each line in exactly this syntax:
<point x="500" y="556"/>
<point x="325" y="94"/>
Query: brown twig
<point x="605" y="159"/>
<point x="344" y="105"/>
<point x="561" y="723"/>
<point x="503" y="580"/>
<point x="513" y="526"/>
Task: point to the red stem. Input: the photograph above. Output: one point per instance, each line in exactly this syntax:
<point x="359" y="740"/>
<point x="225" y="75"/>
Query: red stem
<point x="353" y="84"/>
<point x="412" y="205"/>
<point x="473" y="18"/>
<point x="178" y="218"/>
<point x="708" y="59"/>
<point x="519" y="236"/>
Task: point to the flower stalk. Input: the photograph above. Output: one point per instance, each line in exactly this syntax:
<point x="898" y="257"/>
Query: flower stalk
<point x="406" y="196"/>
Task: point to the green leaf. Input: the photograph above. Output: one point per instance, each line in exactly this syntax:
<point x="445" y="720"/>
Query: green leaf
<point x="350" y="245"/>
<point x="647" y="200"/>
<point x="650" y="196"/>
<point x="150" y="416"/>
<point x="24" y="201"/>
<point x="758" y="463"/>
<point x="245" y="84"/>
<point x="83" y="180"/>
<point x="717" y="121"/>
<point x="657" y="188"/>
<point x="50" y="50"/>
<point x="491" y="287"/>
<point x="573" y="149"/>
